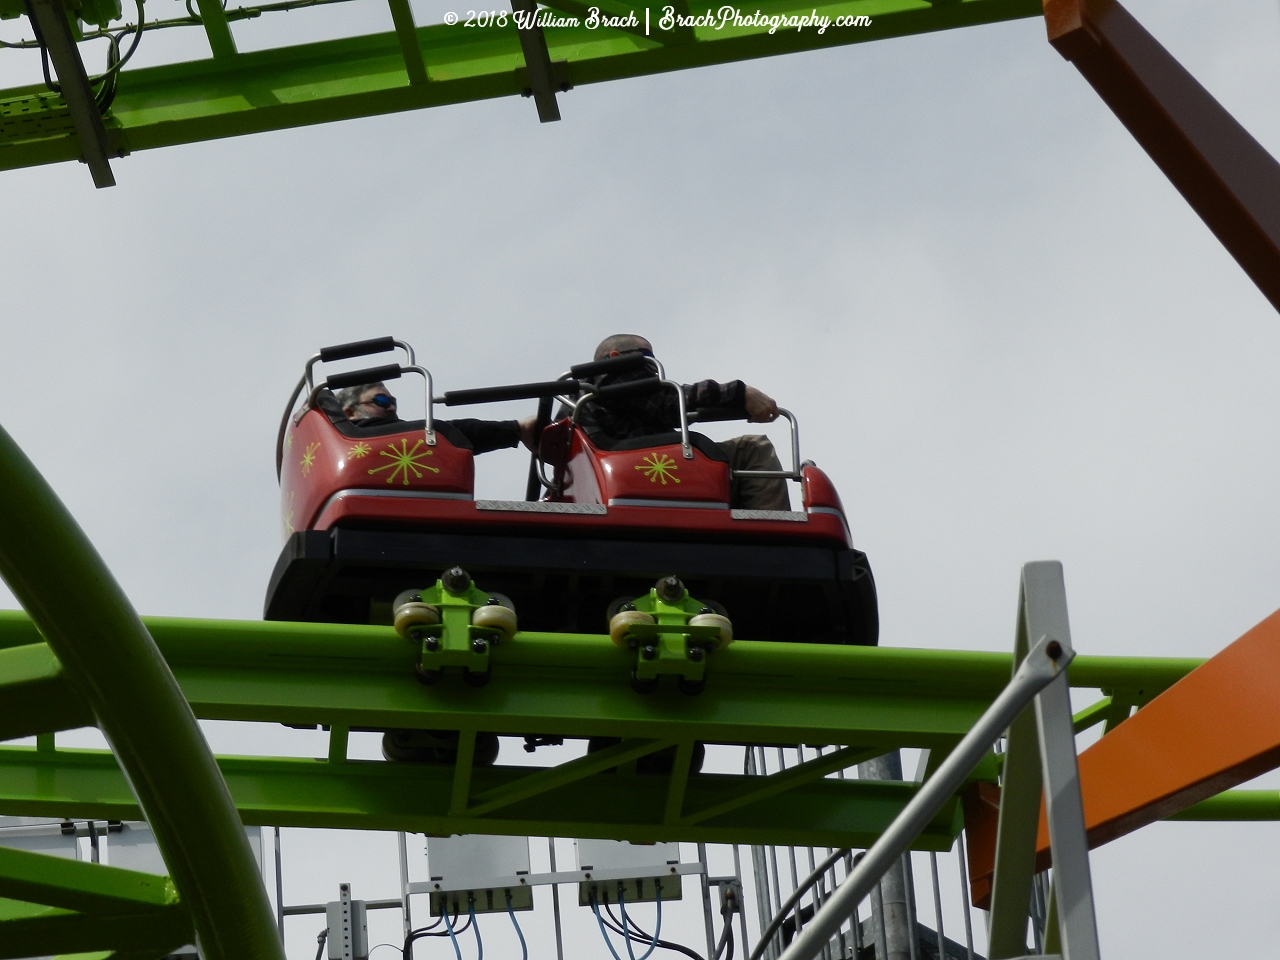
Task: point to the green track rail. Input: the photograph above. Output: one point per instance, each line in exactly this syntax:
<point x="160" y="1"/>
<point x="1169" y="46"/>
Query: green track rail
<point x="861" y="701"/>
<point x="240" y="93"/>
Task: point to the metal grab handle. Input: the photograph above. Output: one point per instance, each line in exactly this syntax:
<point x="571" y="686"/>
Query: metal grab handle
<point x="796" y="466"/>
<point x="341" y="380"/>
<point x="1046" y="662"/>
<point x="336" y="353"/>
<point x="356" y="378"/>
<point x="592" y="368"/>
<point x="358" y="348"/>
<point x="516" y="391"/>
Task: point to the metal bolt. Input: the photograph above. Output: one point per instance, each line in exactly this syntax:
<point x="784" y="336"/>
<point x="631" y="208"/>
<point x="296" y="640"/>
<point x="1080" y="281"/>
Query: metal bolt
<point x="492" y="602"/>
<point x="628" y="606"/>
<point x="456" y="580"/>
<point x="632" y="644"/>
<point x="670" y="589"/>
<point x="432" y="644"/>
<point x="478" y="645"/>
<point x="706" y="610"/>
<point x="1054" y="649"/>
<point x="649" y="652"/>
<point x="695" y="654"/>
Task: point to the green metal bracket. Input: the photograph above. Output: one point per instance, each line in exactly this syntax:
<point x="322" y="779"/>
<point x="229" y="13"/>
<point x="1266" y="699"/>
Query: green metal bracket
<point x="454" y="641"/>
<point x="669" y="645"/>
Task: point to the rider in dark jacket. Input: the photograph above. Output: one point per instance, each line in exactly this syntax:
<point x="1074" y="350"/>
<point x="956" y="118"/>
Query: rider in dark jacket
<point x="609" y="422"/>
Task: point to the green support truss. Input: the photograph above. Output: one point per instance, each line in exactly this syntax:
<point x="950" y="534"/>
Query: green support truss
<point x="858" y="701"/>
<point x="413" y="67"/>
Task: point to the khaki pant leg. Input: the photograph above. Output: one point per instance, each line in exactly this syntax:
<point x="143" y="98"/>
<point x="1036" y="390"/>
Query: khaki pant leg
<point x="755" y="452"/>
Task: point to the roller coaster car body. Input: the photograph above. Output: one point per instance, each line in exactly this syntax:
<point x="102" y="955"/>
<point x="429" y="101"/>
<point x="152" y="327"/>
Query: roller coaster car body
<point x="370" y="511"/>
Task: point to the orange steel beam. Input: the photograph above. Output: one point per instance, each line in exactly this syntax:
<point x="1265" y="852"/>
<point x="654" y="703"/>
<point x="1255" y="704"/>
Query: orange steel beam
<point x="1215" y="728"/>
<point x="1225" y="174"/>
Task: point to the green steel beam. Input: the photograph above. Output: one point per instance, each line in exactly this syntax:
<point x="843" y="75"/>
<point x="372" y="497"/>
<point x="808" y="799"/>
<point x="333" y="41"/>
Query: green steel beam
<point x="35" y="696"/>
<point x="86" y="887"/>
<point x="365" y="76"/>
<point x="576" y="685"/>
<point x="367" y="795"/>
<point x="550" y="778"/>
<point x="216" y="28"/>
<point x="51" y="904"/>
<point x="114" y="666"/>
<point x="1235" y="805"/>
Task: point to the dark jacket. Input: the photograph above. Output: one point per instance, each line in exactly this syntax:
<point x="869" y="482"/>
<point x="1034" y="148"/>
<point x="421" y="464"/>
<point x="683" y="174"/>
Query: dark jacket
<point x="608" y="422"/>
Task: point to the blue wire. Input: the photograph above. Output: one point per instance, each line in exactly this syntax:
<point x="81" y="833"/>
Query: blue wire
<point x="449" y="923"/>
<point x="657" y="932"/>
<point x="524" y="947"/>
<point x="471" y="909"/>
<point x="595" y="908"/>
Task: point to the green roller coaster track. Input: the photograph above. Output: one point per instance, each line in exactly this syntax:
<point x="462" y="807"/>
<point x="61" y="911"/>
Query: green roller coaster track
<point x="80" y="656"/>
<point x="412" y="67"/>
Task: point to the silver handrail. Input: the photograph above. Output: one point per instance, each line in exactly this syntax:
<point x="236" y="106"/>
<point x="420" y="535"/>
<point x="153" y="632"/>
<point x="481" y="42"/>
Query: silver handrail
<point x="1045" y="662"/>
<point x="306" y="384"/>
<point x="428" y="421"/>
<point x="795" y="473"/>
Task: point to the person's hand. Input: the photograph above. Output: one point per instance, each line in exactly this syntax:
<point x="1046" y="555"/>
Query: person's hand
<point x="761" y="408"/>
<point x="527" y="428"/>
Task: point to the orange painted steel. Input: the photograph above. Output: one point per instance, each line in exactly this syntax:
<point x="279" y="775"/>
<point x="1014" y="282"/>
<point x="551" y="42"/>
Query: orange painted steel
<point x="1215" y="728"/>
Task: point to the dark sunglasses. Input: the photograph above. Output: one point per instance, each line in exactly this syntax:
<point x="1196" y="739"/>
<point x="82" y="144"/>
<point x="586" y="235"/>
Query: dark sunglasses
<point x="382" y="400"/>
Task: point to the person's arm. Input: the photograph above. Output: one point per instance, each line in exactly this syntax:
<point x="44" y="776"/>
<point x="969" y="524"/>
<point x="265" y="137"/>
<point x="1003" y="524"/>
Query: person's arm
<point x="486" y="435"/>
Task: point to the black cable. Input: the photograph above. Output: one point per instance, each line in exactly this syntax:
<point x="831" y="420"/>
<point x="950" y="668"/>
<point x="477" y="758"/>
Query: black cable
<point x="726" y="938"/>
<point x="812" y="880"/>
<point x="616" y="927"/>
<point x="422" y="932"/>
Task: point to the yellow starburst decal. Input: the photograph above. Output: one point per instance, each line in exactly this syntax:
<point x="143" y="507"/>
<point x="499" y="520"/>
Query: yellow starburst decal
<point x="361" y="449"/>
<point x="404" y="460"/>
<point x="658" y="466"/>
<point x="288" y="442"/>
<point x="287" y="514"/>
<point x="309" y="458"/>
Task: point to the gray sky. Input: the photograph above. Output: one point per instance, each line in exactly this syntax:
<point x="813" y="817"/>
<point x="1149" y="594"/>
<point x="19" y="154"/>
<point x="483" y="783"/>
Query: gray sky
<point x="1005" y="335"/>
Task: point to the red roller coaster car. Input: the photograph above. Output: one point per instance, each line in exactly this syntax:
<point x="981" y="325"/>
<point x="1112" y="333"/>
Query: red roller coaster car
<point x="371" y="510"/>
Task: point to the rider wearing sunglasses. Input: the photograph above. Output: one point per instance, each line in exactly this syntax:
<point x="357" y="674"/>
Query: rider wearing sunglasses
<point x="373" y="405"/>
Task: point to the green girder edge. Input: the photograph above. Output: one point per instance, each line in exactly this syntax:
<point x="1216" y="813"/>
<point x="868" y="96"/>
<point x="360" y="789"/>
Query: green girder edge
<point x="366" y="76"/>
<point x="50" y="903"/>
<point x="112" y="665"/>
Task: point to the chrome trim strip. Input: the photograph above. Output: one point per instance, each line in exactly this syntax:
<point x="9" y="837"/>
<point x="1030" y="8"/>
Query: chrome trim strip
<point x="796" y="516"/>
<point x="403" y="494"/>
<point x="645" y="502"/>
<point x="831" y="510"/>
<point x="542" y="506"/>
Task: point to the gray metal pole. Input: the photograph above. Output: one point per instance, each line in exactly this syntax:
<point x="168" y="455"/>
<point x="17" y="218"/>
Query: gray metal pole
<point x="742" y="907"/>
<point x="896" y="896"/>
<point x="937" y="905"/>
<point x="555" y="900"/>
<point x="1037" y="671"/>
<point x="405" y="916"/>
<point x="279" y="888"/>
<point x="706" y="903"/>
<point x="963" y="854"/>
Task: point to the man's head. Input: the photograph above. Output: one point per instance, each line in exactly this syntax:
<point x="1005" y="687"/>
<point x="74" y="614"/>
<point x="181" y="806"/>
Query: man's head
<point x="621" y="343"/>
<point x="367" y="401"/>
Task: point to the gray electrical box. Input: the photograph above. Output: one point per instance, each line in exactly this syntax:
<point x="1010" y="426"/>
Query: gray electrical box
<point x="638" y="872"/>
<point x="39" y="835"/>
<point x="478" y="873"/>
<point x="348" y="927"/>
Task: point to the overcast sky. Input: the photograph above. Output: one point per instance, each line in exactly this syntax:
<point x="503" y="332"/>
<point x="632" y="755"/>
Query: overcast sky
<point x="1005" y="335"/>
